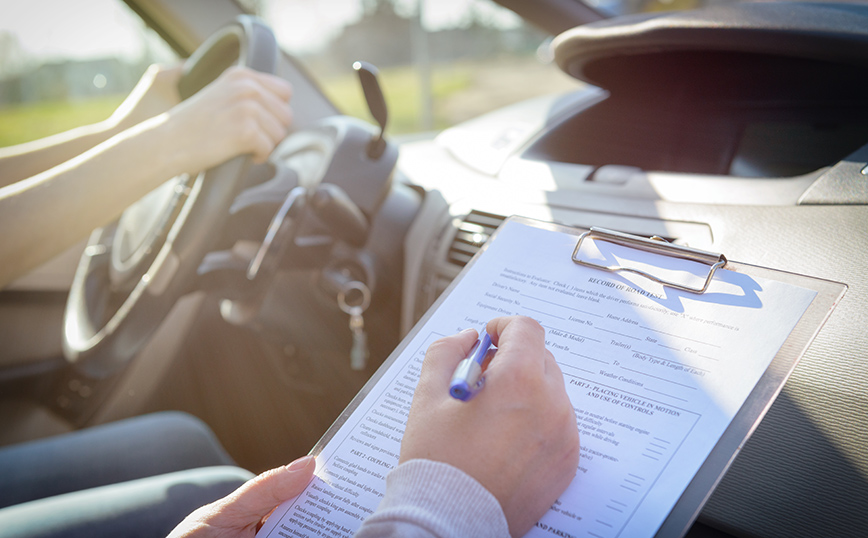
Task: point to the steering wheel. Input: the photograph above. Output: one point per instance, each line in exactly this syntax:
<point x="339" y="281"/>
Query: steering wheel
<point x="133" y="271"/>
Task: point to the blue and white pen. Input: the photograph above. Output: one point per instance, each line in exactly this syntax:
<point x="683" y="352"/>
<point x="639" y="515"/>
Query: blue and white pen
<point x="467" y="379"/>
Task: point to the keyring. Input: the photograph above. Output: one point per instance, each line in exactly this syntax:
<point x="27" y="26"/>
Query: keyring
<point x="361" y="288"/>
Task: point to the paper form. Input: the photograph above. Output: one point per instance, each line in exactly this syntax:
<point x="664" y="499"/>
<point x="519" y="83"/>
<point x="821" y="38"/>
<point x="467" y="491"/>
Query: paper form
<point x="655" y="376"/>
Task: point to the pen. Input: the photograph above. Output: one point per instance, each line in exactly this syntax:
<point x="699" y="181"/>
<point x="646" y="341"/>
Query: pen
<point x="467" y="379"/>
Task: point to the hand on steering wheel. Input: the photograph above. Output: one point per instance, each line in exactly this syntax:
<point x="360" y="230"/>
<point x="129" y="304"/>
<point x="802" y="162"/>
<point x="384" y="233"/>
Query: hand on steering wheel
<point x="133" y="272"/>
<point x="243" y="111"/>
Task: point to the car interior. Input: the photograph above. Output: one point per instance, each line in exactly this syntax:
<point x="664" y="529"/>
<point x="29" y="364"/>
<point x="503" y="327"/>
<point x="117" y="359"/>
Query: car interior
<point x="739" y="128"/>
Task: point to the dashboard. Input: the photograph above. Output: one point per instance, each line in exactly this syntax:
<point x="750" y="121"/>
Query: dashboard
<point x="746" y="137"/>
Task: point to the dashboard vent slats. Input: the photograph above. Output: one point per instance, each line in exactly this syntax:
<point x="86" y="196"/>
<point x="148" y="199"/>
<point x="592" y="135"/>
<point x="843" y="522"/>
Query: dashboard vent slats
<point x="472" y="233"/>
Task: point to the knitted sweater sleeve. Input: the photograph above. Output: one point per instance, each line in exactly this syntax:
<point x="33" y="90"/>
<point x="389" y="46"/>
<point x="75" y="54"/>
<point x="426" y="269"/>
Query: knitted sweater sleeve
<point x="429" y="499"/>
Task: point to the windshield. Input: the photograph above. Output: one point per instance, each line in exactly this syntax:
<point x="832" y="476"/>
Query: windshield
<point x="441" y="62"/>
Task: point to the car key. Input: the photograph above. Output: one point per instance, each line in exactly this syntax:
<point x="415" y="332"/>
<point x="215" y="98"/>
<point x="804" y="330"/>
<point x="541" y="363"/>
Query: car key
<point x="359" y="351"/>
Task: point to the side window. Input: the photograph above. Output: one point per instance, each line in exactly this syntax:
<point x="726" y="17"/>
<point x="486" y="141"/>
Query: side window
<point x="66" y="64"/>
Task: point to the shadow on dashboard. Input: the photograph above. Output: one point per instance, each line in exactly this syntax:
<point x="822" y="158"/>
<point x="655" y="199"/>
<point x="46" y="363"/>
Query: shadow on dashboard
<point x="791" y="479"/>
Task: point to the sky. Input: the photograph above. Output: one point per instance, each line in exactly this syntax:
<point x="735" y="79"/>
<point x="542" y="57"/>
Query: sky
<point x="306" y="25"/>
<point x="47" y="30"/>
<point x="54" y="29"/>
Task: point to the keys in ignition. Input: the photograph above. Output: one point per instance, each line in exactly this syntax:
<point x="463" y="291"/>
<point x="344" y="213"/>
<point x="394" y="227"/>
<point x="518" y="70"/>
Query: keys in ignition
<point x="359" y="352"/>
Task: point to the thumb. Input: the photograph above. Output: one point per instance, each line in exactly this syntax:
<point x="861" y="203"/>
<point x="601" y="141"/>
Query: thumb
<point x="441" y="359"/>
<point x="258" y="497"/>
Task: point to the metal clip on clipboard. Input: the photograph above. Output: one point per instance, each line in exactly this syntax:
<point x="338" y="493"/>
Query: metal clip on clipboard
<point x="656" y="245"/>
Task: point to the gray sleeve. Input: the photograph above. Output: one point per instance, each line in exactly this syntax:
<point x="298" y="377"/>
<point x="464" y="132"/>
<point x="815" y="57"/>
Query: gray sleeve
<point x="429" y="499"/>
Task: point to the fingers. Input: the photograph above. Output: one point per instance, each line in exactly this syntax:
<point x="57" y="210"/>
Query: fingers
<point x="516" y="331"/>
<point x="273" y="84"/>
<point x="263" y="133"/>
<point x="258" y="497"/>
<point x="521" y="354"/>
<point x="442" y="358"/>
<point x="272" y="92"/>
<point x="276" y="85"/>
<point x="263" y="100"/>
<point x="275" y="103"/>
<point x="292" y="479"/>
<point x="518" y="338"/>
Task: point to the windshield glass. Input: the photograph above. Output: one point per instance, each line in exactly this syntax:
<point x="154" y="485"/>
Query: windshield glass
<point x="441" y="62"/>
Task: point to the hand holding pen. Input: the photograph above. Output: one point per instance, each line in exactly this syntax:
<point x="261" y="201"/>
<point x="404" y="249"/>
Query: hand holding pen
<point x="468" y="378"/>
<point x="518" y="437"/>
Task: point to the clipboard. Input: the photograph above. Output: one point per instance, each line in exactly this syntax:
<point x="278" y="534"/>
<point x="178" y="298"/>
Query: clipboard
<point x="691" y="499"/>
<point x="829" y="294"/>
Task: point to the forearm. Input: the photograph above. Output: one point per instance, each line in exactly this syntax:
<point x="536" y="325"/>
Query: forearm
<point x="31" y="158"/>
<point x="243" y="112"/>
<point x="155" y="93"/>
<point x="49" y="212"/>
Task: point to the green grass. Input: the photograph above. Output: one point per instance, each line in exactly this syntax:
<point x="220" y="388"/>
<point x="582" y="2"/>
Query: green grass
<point x="30" y="121"/>
<point x="401" y="86"/>
<point x="460" y="90"/>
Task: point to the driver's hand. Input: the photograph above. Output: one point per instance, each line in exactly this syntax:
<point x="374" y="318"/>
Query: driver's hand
<point x="518" y="437"/>
<point x="155" y="93"/>
<point x="242" y="112"/>
<point x="242" y="512"/>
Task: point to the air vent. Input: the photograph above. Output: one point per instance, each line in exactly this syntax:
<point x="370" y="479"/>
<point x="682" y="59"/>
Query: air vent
<point x="473" y="232"/>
